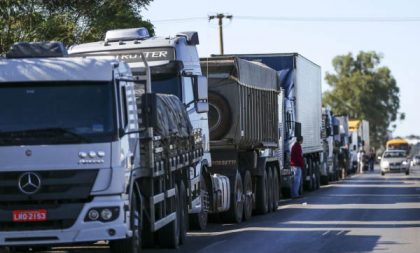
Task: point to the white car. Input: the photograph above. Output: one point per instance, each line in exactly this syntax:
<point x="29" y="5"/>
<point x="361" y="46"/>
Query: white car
<point x="415" y="161"/>
<point x="395" y="161"/>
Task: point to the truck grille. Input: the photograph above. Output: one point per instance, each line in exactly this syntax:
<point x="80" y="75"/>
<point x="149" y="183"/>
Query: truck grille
<point x="62" y="194"/>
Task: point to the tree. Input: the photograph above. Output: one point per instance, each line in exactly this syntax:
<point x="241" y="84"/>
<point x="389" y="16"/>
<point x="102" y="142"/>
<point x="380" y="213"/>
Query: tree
<point x="364" y="90"/>
<point x="69" y="21"/>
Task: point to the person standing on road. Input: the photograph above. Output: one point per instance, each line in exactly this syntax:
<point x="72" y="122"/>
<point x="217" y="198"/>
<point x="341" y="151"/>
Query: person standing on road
<point x="297" y="164"/>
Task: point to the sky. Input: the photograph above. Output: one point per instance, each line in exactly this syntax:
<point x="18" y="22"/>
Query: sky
<point x="398" y="42"/>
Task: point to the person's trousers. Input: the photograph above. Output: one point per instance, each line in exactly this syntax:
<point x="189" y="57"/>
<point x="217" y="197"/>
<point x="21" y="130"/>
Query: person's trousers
<point x="297" y="172"/>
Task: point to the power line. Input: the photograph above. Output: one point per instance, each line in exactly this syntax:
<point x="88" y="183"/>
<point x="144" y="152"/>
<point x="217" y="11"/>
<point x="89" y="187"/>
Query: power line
<point x="307" y="19"/>
<point x="332" y="19"/>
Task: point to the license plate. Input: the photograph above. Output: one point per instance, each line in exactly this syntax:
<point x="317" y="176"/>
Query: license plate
<point x="29" y="215"/>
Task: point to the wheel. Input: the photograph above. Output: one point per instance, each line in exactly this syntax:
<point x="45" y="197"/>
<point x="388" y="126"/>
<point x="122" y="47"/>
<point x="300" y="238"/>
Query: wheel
<point x="270" y="189"/>
<point x="219" y="116"/>
<point x="407" y="172"/>
<point x="276" y="189"/>
<point x="169" y="234"/>
<point x="236" y="210"/>
<point x="262" y="198"/>
<point x="198" y="221"/>
<point x="133" y="244"/>
<point x="183" y="221"/>
<point x="383" y="173"/>
<point x="247" y="195"/>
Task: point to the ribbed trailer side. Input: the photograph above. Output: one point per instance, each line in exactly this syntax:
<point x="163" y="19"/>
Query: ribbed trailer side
<point x="243" y="98"/>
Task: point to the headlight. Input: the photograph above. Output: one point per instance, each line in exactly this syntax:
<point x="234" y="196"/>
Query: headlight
<point x="405" y="163"/>
<point x="384" y="164"/>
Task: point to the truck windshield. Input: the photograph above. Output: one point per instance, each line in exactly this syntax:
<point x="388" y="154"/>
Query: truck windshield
<point x="56" y="113"/>
<point x="167" y="86"/>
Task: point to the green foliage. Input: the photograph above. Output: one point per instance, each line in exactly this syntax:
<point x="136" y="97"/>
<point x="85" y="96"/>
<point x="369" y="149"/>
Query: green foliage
<point x="69" y="21"/>
<point x="364" y="90"/>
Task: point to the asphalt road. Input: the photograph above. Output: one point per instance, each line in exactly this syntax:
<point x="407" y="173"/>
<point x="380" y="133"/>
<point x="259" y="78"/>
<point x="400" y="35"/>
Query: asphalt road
<point x="364" y="213"/>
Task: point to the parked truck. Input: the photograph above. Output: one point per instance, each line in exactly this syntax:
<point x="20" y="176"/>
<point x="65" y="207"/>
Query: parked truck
<point x="246" y="123"/>
<point x="344" y="143"/>
<point x="88" y="156"/>
<point x="330" y="169"/>
<point x="175" y="69"/>
<point x="301" y="81"/>
<point x="359" y="137"/>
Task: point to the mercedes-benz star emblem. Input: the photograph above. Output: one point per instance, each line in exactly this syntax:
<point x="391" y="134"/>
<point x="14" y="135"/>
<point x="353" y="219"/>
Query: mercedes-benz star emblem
<point x="29" y="183"/>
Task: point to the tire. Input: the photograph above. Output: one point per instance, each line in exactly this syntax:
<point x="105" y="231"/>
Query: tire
<point x="183" y="221"/>
<point x="407" y="173"/>
<point x="133" y="244"/>
<point x="262" y="198"/>
<point x="236" y="210"/>
<point x="248" y="199"/>
<point x="324" y="180"/>
<point x="383" y="173"/>
<point x="169" y="234"/>
<point x="317" y="175"/>
<point x="270" y="189"/>
<point x="219" y="116"/>
<point x="276" y="189"/>
<point x="198" y="221"/>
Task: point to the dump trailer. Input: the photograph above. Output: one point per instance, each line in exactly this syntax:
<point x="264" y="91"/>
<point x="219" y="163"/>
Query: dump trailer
<point x="87" y="156"/>
<point x="300" y="79"/>
<point x="175" y="69"/>
<point x="246" y="122"/>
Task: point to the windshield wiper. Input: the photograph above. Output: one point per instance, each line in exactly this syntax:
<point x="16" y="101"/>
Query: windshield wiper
<point x="44" y="132"/>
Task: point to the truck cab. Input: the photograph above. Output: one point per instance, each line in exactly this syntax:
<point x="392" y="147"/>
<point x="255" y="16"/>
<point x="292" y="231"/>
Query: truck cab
<point x="66" y="161"/>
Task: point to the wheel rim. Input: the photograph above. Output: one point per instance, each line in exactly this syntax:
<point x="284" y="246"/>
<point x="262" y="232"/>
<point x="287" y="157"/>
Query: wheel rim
<point x="239" y="204"/>
<point x="248" y="195"/>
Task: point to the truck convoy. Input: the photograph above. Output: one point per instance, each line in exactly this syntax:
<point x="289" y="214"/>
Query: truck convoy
<point x="127" y="136"/>
<point x="91" y="156"/>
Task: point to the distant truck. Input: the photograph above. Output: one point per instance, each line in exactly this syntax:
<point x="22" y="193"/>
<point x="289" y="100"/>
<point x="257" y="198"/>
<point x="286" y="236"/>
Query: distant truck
<point x="344" y="143"/>
<point x="330" y="169"/>
<point x="88" y="156"/>
<point x="359" y="136"/>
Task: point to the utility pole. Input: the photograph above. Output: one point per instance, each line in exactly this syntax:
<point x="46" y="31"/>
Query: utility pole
<point x="221" y="16"/>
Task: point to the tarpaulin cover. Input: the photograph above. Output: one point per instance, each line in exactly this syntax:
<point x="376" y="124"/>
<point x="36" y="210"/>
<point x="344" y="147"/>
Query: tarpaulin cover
<point x="243" y="98"/>
<point x="167" y="114"/>
<point x="37" y="50"/>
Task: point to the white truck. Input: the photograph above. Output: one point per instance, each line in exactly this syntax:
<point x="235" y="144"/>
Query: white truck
<point x="175" y="69"/>
<point x="359" y="139"/>
<point x="88" y="156"/>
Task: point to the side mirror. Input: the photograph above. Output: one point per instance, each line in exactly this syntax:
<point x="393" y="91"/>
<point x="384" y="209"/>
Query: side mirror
<point x="201" y="106"/>
<point x="298" y="129"/>
<point x="201" y="90"/>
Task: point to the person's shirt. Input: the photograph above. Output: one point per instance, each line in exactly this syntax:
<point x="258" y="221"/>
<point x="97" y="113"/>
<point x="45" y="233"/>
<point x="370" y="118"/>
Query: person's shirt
<point x="296" y="156"/>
